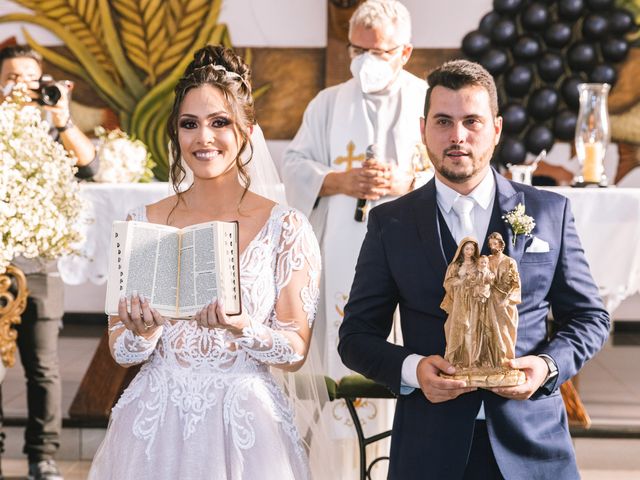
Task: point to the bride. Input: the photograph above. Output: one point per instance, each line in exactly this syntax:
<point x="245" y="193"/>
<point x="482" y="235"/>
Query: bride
<point x="206" y="403"/>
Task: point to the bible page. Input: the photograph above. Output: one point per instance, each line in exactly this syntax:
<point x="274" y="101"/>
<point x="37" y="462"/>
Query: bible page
<point x="152" y="268"/>
<point x="198" y="268"/>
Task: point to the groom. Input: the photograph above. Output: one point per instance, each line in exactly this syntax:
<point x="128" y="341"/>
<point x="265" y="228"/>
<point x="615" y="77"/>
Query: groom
<point x="442" y="428"/>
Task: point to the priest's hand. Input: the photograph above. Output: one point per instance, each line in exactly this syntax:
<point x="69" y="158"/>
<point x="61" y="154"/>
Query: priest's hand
<point x="436" y="388"/>
<point x="368" y="182"/>
<point x="535" y="370"/>
<point x="401" y="181"/>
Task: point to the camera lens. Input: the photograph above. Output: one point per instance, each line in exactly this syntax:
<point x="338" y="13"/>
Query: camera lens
<point x="49" y="95"/>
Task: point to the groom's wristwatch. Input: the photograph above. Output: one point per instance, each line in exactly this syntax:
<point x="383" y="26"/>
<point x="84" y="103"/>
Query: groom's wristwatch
<point x="550" y="380"/>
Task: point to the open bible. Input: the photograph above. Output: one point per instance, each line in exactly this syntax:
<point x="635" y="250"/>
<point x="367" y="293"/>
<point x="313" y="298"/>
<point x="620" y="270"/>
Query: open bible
<point x="179" y="271"/>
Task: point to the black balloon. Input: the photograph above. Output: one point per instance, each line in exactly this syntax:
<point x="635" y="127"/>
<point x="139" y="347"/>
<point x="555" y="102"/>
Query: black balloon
<point x="621" y="21"/>
<point x="538" y="138"/>
<point x="550" y="66"/>
<point x="557" y="35"/>
<point x="570" y="9"/>
<point x="543" y="103"/>
<point x="511" y="151"/>
<point x="535" y="17"/>
<point x="603" y="73"/>
<point x="569" y="90"/>
<point x="582" y="56"/>
<point x="475" y="44"/>
<point x="514" y="118"/>
<point x="527" y="48"/>
<point x="504" y="32"/>
<point x="507" y="6"/>
<point x="495" y="61"/>
<point x="595" y="26"/>
<point x="488" y="22"/>
<point x="614" y="49"/>
<point x="564" y="125"/>
<point x="518" y="80"/>
<point x="600" y="4"/>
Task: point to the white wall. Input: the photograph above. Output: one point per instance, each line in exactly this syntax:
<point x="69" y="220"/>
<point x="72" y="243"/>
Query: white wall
<point x="303" y="23"/>
<point x="443" y="23"/>
<point x="250" y="22"/>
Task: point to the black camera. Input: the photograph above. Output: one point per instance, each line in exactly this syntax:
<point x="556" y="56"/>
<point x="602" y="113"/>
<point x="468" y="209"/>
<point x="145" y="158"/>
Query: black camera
<point x="49" y="91"/>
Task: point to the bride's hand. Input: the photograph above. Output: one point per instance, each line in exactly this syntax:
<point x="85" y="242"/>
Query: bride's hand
<point x="143" y="320"/>
<point x="213" y="316"/>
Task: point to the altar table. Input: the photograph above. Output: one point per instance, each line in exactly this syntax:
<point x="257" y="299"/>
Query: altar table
<point x="608" y="223"/>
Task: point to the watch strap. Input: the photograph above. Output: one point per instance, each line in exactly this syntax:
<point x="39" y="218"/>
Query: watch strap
<point x="66" y="126"/>
<point x="549" y="383"/>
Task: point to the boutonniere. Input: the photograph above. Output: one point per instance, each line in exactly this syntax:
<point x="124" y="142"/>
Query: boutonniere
<point x="520" y="223"/>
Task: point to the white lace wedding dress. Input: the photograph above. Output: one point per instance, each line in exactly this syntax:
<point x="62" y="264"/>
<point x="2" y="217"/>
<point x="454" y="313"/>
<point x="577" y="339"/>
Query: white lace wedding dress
<point x="205" y="404"/>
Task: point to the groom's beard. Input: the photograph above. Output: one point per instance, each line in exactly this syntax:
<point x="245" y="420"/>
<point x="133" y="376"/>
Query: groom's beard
<point x="476" y="163"/>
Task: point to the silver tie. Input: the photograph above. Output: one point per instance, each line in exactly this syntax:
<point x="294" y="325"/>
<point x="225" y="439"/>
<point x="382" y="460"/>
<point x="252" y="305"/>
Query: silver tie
<point x="462" y="207"/>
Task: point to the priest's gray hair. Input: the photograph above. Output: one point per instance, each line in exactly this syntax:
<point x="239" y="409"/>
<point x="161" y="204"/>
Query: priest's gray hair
<point x="378" y="13"/>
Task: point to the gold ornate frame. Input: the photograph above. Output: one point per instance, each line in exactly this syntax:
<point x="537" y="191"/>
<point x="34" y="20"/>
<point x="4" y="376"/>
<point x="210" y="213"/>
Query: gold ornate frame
<point x="13" y="302"/>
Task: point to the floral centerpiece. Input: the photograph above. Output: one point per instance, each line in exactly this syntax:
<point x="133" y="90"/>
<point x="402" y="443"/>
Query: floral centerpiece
<point x="39" y="196"/>
<point x="122" y="160"/>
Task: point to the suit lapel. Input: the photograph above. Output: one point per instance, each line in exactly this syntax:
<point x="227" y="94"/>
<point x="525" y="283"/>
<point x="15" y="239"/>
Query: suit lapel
<point x="508" y="199"/>
<point x="426" y="216"/>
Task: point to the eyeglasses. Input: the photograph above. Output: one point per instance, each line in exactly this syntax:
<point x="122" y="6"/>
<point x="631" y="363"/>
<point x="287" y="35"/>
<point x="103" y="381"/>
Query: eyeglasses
<point x="355" y="50"/>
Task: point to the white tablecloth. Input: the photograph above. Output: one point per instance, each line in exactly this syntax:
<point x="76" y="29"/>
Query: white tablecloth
<point x="104" y="204"/>
<point x="608" y="222"/>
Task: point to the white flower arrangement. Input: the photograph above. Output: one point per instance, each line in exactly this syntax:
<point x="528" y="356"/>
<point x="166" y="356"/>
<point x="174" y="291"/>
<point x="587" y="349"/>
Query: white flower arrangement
<point x="122" y="160"/>
<point x="39" y="197"/>
<point x="520" y="223"/>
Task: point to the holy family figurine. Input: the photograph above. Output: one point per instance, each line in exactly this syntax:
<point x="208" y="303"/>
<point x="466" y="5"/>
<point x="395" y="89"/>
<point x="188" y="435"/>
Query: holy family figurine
<point x="481" y="294"/>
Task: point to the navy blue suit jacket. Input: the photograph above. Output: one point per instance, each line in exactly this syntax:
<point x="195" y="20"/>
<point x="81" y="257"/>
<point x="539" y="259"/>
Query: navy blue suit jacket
<point x="402" y="262"/>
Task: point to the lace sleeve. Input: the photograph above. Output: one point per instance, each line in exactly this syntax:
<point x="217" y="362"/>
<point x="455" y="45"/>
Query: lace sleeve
<point x="297" y="274"/>
<point x="127" y="348"/>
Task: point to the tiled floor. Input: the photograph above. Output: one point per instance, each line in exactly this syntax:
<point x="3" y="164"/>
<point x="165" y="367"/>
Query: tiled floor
<point x="609" y="386"/>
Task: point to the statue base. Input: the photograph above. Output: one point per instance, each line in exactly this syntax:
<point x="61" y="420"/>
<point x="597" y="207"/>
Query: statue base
<point x="486" y="377"/>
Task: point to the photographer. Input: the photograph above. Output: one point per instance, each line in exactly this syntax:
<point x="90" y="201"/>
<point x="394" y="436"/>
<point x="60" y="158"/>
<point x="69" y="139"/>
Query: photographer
<point x="22" y="64"/>
<point x="38" y="332"/>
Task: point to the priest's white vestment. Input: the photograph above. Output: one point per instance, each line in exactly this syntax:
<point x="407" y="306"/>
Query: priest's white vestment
<point x="338" y="125"/>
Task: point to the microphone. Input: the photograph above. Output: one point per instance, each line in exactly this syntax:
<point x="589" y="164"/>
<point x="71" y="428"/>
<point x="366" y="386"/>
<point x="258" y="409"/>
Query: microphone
<point x="362" y="206"/>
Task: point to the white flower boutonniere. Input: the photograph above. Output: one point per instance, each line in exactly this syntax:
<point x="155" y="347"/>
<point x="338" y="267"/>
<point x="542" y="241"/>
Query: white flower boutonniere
<point x="520" y="223"/>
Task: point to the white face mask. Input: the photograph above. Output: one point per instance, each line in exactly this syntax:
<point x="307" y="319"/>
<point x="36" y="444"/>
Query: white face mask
<point x="372" y="73"/>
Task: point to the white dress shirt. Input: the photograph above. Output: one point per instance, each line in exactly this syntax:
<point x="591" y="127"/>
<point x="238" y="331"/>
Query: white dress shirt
<point x="483" y="197"/>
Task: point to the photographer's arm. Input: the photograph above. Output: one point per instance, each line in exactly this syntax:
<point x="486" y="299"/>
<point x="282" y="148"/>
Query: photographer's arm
<point x="71" y="137"/>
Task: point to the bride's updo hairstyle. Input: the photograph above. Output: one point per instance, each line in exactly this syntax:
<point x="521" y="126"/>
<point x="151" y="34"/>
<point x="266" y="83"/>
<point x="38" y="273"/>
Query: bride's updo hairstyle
<point x="223" y="69"/>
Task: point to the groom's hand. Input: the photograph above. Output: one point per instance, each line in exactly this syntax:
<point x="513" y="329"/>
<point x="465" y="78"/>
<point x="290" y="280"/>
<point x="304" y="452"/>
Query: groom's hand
<point x="535" y="370"/>
<point x="436" y="388"/>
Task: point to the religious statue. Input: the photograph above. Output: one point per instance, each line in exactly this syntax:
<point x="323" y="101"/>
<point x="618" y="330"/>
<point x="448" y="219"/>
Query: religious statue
<point x="481" y="294"/>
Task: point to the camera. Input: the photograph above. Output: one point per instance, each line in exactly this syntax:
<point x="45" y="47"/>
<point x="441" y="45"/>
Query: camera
<point x="49" y="90"/>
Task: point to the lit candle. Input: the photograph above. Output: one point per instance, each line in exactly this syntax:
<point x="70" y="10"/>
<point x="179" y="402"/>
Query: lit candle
<point x="592" y="166"/>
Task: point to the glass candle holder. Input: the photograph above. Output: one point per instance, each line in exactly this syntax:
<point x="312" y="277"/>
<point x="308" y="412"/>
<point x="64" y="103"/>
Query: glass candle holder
<point x="592" y="133"/>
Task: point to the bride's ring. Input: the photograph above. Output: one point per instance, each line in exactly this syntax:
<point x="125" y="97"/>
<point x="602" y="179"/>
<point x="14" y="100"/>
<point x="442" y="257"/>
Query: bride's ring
<point x="147" y="326"/>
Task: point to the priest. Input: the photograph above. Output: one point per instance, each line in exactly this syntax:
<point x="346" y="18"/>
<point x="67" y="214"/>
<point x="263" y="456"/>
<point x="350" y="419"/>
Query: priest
<point x="324" y="168"/>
